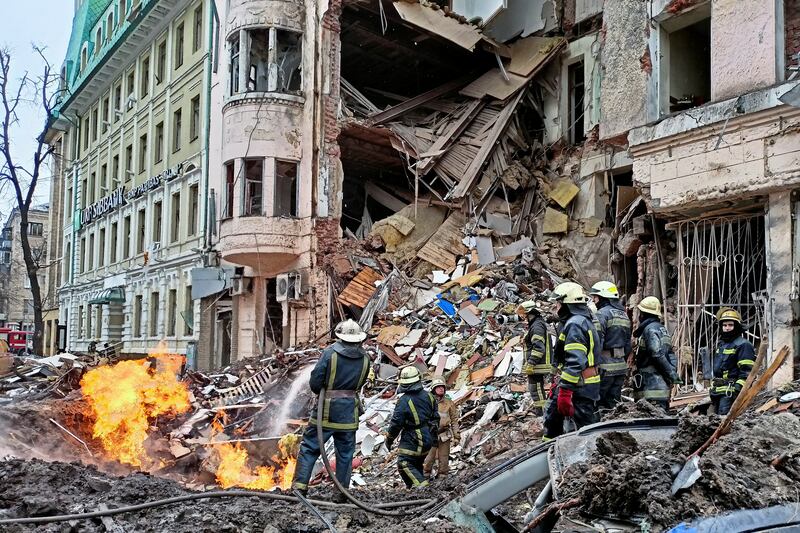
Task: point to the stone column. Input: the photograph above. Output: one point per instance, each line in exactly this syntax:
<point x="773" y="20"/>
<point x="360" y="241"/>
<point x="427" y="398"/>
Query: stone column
<point x="779" y="282"/>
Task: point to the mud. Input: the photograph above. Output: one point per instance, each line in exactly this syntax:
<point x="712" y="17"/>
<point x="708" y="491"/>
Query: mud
<point x="632" y="410"/>
<point x="737" y="472"/>
<point x="28" y="490"/>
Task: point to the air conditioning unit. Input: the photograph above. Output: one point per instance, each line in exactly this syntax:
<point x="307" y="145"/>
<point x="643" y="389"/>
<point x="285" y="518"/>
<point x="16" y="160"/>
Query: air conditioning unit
<point x="288" y="287"/>
<point x="155" y="246"/>
<point x="240" y="286"/>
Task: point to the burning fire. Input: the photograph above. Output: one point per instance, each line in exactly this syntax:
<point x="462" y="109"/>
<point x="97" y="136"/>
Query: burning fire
<point x="233" y="470"/>
<point x="126" y="396"/>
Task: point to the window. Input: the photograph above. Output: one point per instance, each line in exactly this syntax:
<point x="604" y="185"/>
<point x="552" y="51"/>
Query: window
<point x="288" y="60"/>
<point x="131" y="87"/>
<point x="194" y="123"/>
<point x="175" y="218"/>
<point x="84" y="57"/>
<point x="80" y="319"/>
<point x="686" y="63"/>
<point x="98" y="321"/>
<point x="194" y="199"/>
<point x="88" y="330"/>
<point x="127" y="237"/>
<point x="115" y="171"/>
<point x="104" y="179"/>
<point x="35" y="229"/>
<point x="157" y="214"/>
<point x="101" y="249"/>
<point x="109" y="26"/>
<point x="117" y="102"/>
<point x="176" y="131"/>
<point x="122" y="10"/>
<point x="28" y="307"/>
<point x="98" y="40"/>
<point x="233" y="73"/>
<point x="91" y="188"/>
<point x="113" y="246"/>
<point x="285" y="188"/>
<point x="137" y="316"/>
<point x="179" y="46"/>
<point x="253" y="187"/>
<point x="154" y="304"/>
<point x="128" y="161"/>
<point x="161" y="62"/>
<point x="83" y="255"/>
<point x="90" y="253"/>
<point x="197" y="33"/>
<point x="68" y="202"/>
<point x="84" y="193"/>
<point x="67" y="261"/>
<point x="159" y="142"/>
<point x="188" y="313"/>
<point x="86" y="134"/>
<point x="172" y="307"/>
<point x="142" y="153"/>
<point x="259" y="67"/>
<point x="577" y="91"/>
<point x="106" y="121"/>
<point x="144" y="81"/>
<point x="140" y="232"/>
<point x="229" y="182"/>
<point x="26" y="282"/>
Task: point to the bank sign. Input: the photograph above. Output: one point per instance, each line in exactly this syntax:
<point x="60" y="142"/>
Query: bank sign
<point x="119" y="197"/>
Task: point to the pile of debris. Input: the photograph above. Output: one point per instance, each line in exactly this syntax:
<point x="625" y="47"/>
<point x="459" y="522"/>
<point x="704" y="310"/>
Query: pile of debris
<point x="27" y="377"/>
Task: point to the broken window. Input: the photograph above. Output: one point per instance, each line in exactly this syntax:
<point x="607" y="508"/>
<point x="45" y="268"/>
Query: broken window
<point x="258" y="69"/>
<point x="273" y="60"/>
<point x="288" y="60"/>
<point x="686" y="63"/>
<point x="253" y="187"/>
<point x="233" y="72"/>
<point x="285" y="188"/>
<point x="577" y="94"/>
<point x="229" y="181"/>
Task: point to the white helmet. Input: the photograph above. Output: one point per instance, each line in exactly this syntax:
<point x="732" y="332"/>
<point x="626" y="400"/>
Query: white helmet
<point x="568" y="293"/>
<point x="605" y="289"/>
<point x="350" y="331"/>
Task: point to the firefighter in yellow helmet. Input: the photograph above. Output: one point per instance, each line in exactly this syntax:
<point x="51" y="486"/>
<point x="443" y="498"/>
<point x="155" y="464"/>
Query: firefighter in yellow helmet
<point x="416" y="420"/>
<point x="656" y="364"/>
<point x="615" y="330"/>
<point x="538" y="353"/>
<point x="448" y="430"/>
<point x="576" y="354"/>
<point x="733" y="361"/>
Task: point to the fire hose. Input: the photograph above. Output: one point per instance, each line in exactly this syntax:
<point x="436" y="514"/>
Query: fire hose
<point x="372" y="509"/>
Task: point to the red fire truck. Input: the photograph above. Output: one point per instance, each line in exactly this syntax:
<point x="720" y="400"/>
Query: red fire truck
<point x="17" y="340"/>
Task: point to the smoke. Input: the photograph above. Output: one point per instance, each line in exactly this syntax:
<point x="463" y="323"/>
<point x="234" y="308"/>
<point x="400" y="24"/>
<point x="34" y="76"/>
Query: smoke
<point x="299" y="384"/>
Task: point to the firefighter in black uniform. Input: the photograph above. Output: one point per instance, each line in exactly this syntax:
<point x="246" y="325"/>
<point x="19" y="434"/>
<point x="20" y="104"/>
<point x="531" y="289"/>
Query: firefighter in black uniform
<point x="656" y="364"/>
<point x="576" y="355"/>
<point x="342" y="370"/>
<point x="416" y="421"/>
<point x="615" y="330"/>
<point x="733" y="362"/>
<point x="538" y="357"/>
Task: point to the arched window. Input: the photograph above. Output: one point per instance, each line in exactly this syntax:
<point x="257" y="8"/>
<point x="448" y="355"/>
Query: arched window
<point x="123" y="4"/>
<point x="84" y="56"/>
<point x="109" y="26"/>
<point x="98" y="40"/>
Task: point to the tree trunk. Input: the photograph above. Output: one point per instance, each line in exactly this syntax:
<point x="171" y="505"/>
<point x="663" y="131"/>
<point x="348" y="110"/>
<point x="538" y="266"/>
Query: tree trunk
<point x="32" y="269"/>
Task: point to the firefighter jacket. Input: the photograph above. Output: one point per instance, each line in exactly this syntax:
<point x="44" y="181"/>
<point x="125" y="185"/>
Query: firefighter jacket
<point x="615" y="330"/>
<point x="448" y="420"/>
<point x="342" y="370"/>
<point x="538" y="356"/>
<point x="655" y="360"/>
<point x="732" y="364"/>
<point x="416" y="420"/>
<point x="577" y="352"/>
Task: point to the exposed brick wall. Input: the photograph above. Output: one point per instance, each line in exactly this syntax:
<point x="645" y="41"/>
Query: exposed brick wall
<point x="791" y="14"/>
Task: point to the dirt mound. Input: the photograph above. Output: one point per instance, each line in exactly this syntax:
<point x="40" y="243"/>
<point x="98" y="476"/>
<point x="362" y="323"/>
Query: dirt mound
<point x="27" y="490"/>
<point x="631" y="410"/>
<point x="755" y="466"/>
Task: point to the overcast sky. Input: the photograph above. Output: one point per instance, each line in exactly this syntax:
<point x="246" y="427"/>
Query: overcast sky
<point x="46" y="23"/>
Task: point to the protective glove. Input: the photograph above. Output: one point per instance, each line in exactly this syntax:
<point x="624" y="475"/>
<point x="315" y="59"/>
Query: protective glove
<point x="564" y="402"/>
<point x="389" y="441"/>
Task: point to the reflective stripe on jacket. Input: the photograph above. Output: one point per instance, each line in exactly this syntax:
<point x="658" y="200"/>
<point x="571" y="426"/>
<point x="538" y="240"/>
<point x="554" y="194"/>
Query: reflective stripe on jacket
<point x="732" y="364"/>
<point x="416" y="420"/>
<point x="655" y="360"/>
<point x="616" y="333"/>
<point x="538" y="356"/>
<point x="577" y="352"/>
<point x="342" y="367"/>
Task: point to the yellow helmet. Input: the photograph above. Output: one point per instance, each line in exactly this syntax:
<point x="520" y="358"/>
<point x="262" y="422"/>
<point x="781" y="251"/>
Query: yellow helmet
<point x="728" y="314"/>
<point x="438" y="382"/>
<point x="569" y="293"/>
<point x="409" y="375"/>
<point x="605" y="289"/>
<point x="526" y="307"/>
<point x="650" y="305"/>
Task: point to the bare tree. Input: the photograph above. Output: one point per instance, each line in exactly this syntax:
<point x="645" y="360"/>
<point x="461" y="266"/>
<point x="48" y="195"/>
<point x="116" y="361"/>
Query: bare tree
<point x="41" y="92"/>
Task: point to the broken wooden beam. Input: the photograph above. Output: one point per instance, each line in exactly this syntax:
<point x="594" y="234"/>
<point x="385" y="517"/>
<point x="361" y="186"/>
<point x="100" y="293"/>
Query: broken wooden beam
<point x="417" y="101"/>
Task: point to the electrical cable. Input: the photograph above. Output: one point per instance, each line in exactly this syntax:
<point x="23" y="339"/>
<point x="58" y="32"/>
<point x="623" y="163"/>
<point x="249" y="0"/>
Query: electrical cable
<point x="191" y="497"/>
<point x="314" y="510"/>
<point x="337" y="483"/>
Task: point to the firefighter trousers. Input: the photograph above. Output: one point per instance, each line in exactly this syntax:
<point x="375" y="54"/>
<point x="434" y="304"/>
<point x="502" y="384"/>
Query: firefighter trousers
<point x="722" y="403"/>
<point x="585" y="410"/>
<point x="441" y="454"/>
<point x="343" y="441"/>
<point x="610" y="390"/>
<point x="411" y="470"/>
<point x="536" y="388"/>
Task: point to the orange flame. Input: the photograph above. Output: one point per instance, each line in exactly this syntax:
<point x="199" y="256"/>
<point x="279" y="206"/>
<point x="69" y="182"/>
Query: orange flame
<point x="233" y="470"/>
<point x="126" y="396"/>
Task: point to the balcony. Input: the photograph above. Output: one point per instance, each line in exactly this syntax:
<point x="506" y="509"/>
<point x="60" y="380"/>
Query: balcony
<point x="269" y="245"/>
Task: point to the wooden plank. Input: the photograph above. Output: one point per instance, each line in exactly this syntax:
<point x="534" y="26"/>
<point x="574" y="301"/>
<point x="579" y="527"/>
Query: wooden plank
<point x="417" y="101"/>
<point x="448" y="138"/>
<point x="481" y="375"/>
<point x="388" y="351"/>
<point x="391" y="335"/>
<point x="530" y="54"/>
<point x="436" y="22"/>
<point x="494" y="84"/>
<point x="445" y="245"/>
<point x="359" y="291"/>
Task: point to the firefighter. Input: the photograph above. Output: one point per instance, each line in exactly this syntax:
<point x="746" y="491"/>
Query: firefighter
<point x="342" y="370"/>
<point x="733" y="362"/>
<point x="538" y="358"/>
<point x="448" y="430"/>
<point x="656" y="364"/>
<point x="416" y="421"/>
<point x="576" y="354"/>
<point x="615" y="330"/>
